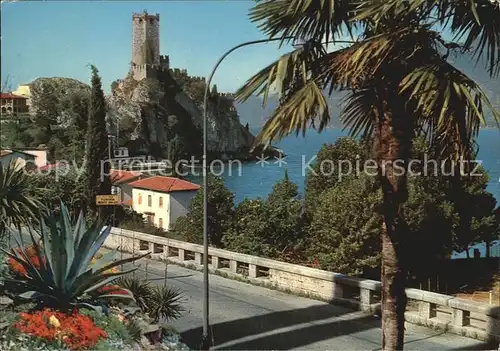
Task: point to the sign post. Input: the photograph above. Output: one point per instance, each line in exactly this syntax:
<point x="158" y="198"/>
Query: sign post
<point x="107" y="200"/>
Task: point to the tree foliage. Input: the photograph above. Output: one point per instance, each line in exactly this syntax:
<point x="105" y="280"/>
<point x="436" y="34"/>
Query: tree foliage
<point x="63" y="185"/>
<point x="270" y="228"/>
<point x="344" y="234"/>
<point x="96" y="172"/>
<point x="59" y="108"/>
<point x="331" y="165"/>
<point x="442" y="213"/>
<point x="220" y="212"/>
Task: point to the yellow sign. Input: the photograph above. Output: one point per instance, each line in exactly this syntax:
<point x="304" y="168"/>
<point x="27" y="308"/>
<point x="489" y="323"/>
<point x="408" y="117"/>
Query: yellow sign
<point x="107" y="200"/>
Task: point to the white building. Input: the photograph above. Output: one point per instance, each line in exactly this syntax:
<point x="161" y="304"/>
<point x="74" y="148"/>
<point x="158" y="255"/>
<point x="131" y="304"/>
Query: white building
<point x="120" y="184"/>
<point x="36" y="157"/>
<point x="20" y="158"/>
<point x="162" y="199"/>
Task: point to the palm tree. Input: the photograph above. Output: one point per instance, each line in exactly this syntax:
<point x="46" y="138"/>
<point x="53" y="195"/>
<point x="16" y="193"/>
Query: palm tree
<point x="398" y="84"/>
<point x="18" y="205"/>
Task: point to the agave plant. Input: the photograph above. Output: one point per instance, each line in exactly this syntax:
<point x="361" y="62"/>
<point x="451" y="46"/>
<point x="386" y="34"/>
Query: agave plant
<point x="65" y="277"/>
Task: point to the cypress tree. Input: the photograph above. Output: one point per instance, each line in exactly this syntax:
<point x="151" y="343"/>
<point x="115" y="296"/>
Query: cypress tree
<point x="96" y="183"/>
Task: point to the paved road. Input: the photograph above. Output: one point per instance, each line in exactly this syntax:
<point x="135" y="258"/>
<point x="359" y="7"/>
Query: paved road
<point x="247" y="317"/>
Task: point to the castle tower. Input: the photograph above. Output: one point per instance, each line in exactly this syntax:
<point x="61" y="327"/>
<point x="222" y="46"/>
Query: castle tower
<point x="145" y="45"/>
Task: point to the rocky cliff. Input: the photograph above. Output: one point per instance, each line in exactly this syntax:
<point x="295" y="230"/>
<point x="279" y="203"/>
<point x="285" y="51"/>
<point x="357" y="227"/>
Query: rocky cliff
<point x="163" y="117"/>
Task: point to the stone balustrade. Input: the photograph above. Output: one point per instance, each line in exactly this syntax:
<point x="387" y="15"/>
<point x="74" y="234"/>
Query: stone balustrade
<point x="459" y="316"/>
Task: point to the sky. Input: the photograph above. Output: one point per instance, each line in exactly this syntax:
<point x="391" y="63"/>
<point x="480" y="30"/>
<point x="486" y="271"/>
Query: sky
<point x="61" y="38"/>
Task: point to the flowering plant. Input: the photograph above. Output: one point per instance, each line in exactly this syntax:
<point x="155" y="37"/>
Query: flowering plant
<point x="74" y="331"/>
<point x="57" y="270"/>
<point x="30" y="252"/>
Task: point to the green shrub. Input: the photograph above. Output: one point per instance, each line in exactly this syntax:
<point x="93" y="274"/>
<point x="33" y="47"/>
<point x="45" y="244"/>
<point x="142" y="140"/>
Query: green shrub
<point x="345" y="228"/>
<point x="158" y="302"/>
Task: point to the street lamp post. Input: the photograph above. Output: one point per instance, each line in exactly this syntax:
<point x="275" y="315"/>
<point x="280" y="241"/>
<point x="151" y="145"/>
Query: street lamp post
<point x="205" y="341"/>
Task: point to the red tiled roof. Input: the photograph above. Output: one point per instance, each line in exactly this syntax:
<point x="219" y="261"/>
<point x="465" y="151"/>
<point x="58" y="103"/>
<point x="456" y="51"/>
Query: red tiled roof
<point x="119" y="176"/>
<point x="164" y="184"/>
<point x="11" y="96"/>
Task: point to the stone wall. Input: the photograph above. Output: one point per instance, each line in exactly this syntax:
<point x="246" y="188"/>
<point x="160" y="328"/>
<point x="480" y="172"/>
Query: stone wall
<point x="448" y="313"/>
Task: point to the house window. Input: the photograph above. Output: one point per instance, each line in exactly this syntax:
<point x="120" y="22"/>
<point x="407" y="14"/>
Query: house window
<point x="139" y="201"/>
<point x="150" y="218"/>
<point x="160" y="202"/>
<point x="160" y="222"/>
<point x="150" y="200"/>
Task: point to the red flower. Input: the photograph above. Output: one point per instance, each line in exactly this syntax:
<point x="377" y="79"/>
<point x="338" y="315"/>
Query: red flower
<point x="113" y="290"/>
<point x="76" y="331"/>
<point x="315" y="263"/>
<point x="18" y="268"/>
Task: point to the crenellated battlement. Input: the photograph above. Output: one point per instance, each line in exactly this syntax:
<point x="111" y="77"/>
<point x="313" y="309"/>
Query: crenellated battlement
<point x="144" y="15"/>
<point x="165" y="61"/>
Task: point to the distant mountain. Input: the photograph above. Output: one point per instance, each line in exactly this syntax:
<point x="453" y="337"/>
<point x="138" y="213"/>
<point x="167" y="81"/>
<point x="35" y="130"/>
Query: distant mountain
<point x="253" y="113"/>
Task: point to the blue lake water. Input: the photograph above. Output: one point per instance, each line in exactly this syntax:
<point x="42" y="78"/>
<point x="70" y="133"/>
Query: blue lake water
<point x="257" y="180"/>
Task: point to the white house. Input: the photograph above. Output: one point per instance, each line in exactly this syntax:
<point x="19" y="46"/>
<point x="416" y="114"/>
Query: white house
<point x="162" y="199"/>
<point x="20" y="158"/>
<point x="37" y="157"/>
<point x="120" y="184"/>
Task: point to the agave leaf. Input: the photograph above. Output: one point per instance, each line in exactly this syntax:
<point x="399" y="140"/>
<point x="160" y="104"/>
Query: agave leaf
<point x="97" y="244"/>
<point x="43" y="266"/>
<point x="87" y="245"/>
<point x="116" y="296"/>
<point x="24" y="283"/>
<point x="98" y="309"/>
<point x="110" y="277"/>
<point x="121" y="262"/>
<point x="67" y="234"/>
<point x="31" y="295"/>
<point x="80" y="229"/>
<point x="23" y="257"/>
<point x="104" y="260"/>
<point x="55" y="251"/>
<point x="89" y="279"/>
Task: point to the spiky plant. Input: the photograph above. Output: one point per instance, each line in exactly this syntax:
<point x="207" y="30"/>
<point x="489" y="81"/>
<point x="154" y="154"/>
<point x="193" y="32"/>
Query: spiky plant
<point x="18" y="205"/>
<point x="65" y="278"/>
<point x="134" y="329"/>
<point x="399" y="84"/>
<point x="164" y="303"/>
<point x="141" y="290"/>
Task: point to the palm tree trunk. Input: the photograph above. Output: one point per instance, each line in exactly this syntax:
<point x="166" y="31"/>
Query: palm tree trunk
<point x="393" y="152"/>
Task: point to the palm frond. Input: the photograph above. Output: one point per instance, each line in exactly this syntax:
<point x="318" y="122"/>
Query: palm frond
<point x="450" y="105"/>
<point x="18" y="202"/>
<point x="356" y="65"/>
<point x="477" y="22"/>
<point x="304" y="108"/>
<point x="289" y="72"/>
<point x="360" y="111"/>
<point x="303" y="19"/>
